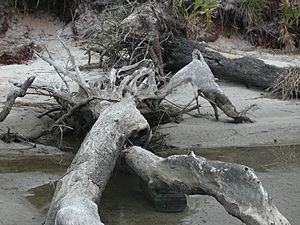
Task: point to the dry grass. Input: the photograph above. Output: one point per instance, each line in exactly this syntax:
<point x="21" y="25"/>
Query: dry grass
<point x="287" y="86"/>
<point x="19" y="55"/>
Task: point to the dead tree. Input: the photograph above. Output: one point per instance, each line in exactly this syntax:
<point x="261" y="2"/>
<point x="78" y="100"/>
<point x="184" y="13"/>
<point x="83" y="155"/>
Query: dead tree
<point x="245" y="70"/>
<point x="113" y="105"/>
<point x="198" y="73"/>
<point x="112" y="102"/>
<point x="13" y="95"/>
<point x="235" y="186"/>
<point x="79" y="190"/>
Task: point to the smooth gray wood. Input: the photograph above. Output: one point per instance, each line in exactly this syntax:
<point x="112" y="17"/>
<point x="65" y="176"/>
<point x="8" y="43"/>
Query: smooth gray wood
<point x="235" y="186"/>
<point x="79" y="191"/>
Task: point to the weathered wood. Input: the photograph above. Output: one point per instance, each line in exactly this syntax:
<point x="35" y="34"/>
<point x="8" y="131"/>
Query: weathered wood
<point x="176" y="50"/>
<point x="198" y="73"/>
<point x="79" y="191"/>
<point x="235" y="186"/>
<point x="246" y="70"/>
<point x="13" y="95"/>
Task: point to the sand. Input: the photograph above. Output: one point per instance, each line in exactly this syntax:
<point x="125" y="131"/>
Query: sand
<point x="277" y="121"/>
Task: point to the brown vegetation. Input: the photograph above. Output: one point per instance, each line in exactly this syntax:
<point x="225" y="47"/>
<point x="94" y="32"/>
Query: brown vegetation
<point x="287" y="85"/>
<point x="19" y="55"/>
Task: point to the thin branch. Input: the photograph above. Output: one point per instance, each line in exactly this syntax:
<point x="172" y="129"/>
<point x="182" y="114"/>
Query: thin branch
<point x="59" y="74"/>
<point x="64" y="71"/>
<point x="49" y="111"/>
<point x="76" y="77"/>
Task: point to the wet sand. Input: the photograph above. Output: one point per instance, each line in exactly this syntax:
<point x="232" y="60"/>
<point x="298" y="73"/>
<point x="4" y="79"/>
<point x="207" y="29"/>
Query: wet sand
<point x="18" y="176"/>
<point x="26" y="190"/>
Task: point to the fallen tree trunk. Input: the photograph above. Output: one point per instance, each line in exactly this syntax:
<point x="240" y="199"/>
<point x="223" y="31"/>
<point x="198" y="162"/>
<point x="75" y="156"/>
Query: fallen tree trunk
<point x="154" y="21"/>
<point x="235" y="186"/>
<point x="246" y="70"/>
<point x="79" y="191"/>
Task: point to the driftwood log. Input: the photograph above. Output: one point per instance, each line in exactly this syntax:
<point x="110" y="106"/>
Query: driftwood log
<point x="198" y="73"/>
<point x="245" y="70"/>
<point x="235" y="186"/>
<point x="113" y="105"/>
<point x="156" y="27"/>
<point x="79" y="190"/>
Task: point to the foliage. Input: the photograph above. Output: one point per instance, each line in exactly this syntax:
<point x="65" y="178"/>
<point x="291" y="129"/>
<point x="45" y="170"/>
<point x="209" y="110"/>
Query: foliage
<point x="290" y="15"/>
<point x="204" y="8"/>
<point x="252" y="11"/>
<point x="267" y="23"/>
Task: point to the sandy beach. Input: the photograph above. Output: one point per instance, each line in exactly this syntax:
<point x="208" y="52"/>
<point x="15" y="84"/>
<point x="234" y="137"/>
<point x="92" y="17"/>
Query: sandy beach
<point x="277" y="122"/>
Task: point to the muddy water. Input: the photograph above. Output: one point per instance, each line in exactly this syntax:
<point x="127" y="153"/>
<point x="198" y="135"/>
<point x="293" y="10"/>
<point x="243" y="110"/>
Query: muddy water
<point x="23" y="198"/>
<point x="27" y="185"/>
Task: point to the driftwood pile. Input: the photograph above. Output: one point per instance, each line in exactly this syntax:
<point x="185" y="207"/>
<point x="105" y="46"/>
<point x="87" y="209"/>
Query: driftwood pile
<point x="114" y="106"/>
<point x="113" y="102"/>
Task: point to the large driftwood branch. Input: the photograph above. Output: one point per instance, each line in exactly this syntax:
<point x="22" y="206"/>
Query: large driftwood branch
<point x="79" y="190"/>
<point x="246" y="70"/>
<point x="235" y="186"/>
<point x="198" y="73"/>
<point x="13" y="95"/>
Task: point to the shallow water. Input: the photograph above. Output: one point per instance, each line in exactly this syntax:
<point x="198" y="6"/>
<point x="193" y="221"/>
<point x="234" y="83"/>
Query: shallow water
<point x="26" y="187"/>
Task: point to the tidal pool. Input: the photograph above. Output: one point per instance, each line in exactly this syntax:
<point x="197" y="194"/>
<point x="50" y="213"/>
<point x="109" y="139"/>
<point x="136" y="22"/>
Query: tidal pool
<point x="27" y="185"/>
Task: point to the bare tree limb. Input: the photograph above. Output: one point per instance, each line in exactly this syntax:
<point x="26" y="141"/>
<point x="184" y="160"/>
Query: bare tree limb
<point x="235" y="186"/>
<point x="76" y="77"/>
<point x="13" y="95"/>
<point x="198" y="73"/>
<point x="59" y="74"/>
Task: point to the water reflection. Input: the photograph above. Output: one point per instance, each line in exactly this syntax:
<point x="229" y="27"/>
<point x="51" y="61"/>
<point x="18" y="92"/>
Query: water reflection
<point x="123" y="203"/>
<point x="259" y="158"/>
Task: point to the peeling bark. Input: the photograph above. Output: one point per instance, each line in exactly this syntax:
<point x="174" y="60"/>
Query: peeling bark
<point x="235" y="186"/>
